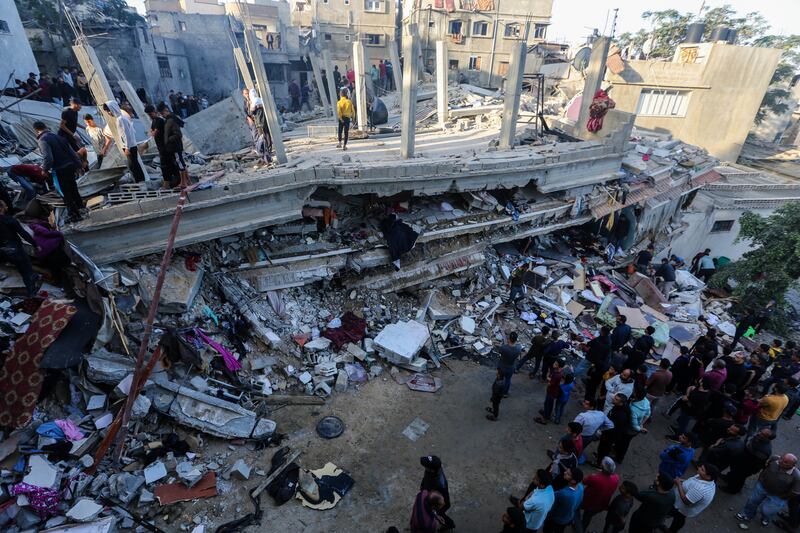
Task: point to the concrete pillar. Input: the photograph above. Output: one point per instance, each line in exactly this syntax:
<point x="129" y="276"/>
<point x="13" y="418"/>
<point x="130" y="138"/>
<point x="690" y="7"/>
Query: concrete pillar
<point x="244" y="70"/>
<point x="408" y="120"/>
<point x="395" y="57"/>
<point x="360" y="66"/>
<point x="441" y="83"/>
<point x="318" y="78"/>
<point x="516" y="70"/>
<point x="253" y="47"/>
<point x="326" y="60"/>
<point x="594" y="73"/>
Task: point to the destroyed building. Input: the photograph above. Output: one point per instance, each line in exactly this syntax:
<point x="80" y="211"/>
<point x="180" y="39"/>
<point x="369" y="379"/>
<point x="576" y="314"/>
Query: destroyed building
<point x="18" y="57"/>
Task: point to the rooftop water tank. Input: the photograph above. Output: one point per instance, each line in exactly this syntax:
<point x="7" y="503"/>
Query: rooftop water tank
<point x="694" y="32"/>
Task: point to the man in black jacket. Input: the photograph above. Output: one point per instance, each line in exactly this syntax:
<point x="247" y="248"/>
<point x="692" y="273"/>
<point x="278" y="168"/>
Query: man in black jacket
<point x="621" y="334"/>
<point x="435" y="480"/>
<point x="169" y="171"/>
<point x="641" y="349"/>
<point x="11" y="247"/>
<point x="58" y="155"/>
<point x="173" y="141"/>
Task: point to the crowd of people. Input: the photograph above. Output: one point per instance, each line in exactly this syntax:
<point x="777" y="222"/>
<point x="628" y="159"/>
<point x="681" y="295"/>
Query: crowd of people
<point x="724" y="407"/>
<point x="59" y="88"/>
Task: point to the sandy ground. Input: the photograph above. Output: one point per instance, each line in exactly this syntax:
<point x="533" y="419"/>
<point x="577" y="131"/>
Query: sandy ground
<point x="484" y="461"/>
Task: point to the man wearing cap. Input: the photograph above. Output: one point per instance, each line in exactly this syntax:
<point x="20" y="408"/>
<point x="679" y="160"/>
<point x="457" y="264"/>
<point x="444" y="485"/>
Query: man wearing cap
<point x="435" y="480"/>
<point x="779" y="481"/>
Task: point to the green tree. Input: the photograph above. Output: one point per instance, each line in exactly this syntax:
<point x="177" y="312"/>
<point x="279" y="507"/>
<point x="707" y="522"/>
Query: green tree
<point x="773" y="266"/>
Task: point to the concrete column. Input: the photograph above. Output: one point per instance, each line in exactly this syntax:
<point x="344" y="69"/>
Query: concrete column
<point x="98" y="83"/>
<point x="395" y="57"/>
<point x="244" y="70"/>
<point x="408" y="120"/>
<point x="360" y="66"/>
<point x="326" y="60"/>
<point x="441" y="83"/>
<point x="253" y="47"/>
<point x="516" y="70"/>
<point x="318" y="78"/>
<point x="594" y="73"/>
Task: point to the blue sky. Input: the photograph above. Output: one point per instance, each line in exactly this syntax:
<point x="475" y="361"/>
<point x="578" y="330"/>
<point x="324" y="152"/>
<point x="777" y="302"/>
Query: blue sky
<point x="573" y="19"/>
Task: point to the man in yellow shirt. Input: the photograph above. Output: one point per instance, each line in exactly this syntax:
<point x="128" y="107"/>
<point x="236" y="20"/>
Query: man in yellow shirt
<point x="345" y="112"/>
<point x="770" y="408"/>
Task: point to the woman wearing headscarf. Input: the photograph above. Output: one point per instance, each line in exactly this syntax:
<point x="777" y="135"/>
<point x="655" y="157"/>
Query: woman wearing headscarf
<point x="259" y="127"/>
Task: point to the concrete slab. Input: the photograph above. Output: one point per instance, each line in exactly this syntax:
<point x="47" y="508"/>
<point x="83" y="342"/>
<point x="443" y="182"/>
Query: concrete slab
<point x="402" y="341"/>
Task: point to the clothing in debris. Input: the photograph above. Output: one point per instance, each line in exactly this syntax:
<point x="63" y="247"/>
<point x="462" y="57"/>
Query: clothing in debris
<point x="400" y="237"/>
<point x="11" y="249"/>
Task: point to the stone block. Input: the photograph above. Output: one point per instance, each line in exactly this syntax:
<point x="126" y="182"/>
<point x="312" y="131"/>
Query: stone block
<point x="402" y="341"/>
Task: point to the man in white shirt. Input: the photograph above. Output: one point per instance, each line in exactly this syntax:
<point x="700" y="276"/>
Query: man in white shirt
<point x="693" y="495"/>
<point x="127" y="138"/>
<point x="620" y="384"/>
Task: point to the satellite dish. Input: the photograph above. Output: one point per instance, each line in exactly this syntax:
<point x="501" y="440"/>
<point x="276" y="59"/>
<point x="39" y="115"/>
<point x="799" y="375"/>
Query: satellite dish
<point x="581" y="59"/>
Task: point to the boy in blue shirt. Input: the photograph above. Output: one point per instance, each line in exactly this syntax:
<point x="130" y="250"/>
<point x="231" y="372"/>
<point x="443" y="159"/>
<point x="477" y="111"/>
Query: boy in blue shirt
<point x="677" y="458"/>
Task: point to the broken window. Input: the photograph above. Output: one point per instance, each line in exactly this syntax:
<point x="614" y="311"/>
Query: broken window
<point x="455" y="27"/>
<point x="374" y="6"/>
<point x="512" y="30"/>
<point x="374" y="39"/>
<point x="502" y="68"/>
<point x="163" y="66"/>
<point x="181" y="25"/>
<point x="4" y="27"/>
<point x="275" y="72"/>
<point x="452" y="64"/>
<point x="663" y="103"/>
<point x="475" y="62"/>
<point x="481" y="29"/>
<point x="722" y="226"/>
<point x="539" y="31"/>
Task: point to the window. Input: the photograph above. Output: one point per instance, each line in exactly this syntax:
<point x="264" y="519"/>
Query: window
<point x="502" y="68"/>
<point x="662" y="103"/>
<point x="722" y="226"/>
<point x="374" y="39"/>
<point x="480" y="29"/>
<point x="431" y="24"/>
<point x="452" y="64"/>
<point x="539" y="31"/>
<point x="275" y="72"/>
<point x="512" y="31"/>
<point x="475" y="62"/>
<point x="182" y="25"/>
<point x="327" y="36"/>
<point x="347" y="2"/>
<point x="347" y="38"/>
<point x="374" y="6"/>
<point x="324" y="1"/>
<point x="4" y="27"/>
<point x="455" y="27"/>
<point x="163" y="66"/>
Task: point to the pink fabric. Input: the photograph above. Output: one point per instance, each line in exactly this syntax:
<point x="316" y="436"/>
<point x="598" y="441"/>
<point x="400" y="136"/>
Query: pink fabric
<point x="230" y="361"/>
<point x="44" y="501"/>
<point x="70" y="430"/>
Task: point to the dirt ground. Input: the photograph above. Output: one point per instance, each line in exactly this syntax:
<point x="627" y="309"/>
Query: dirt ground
<point x="484" y="461"/>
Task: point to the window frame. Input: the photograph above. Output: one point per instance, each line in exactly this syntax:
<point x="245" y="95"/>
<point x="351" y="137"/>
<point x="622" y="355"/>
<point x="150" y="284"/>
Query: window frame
<point x="725" y="226"/>
<point x="664" y="103"/>
<point x="450" y="27"/>
<point x="164" y="66"/>
<point x="485" y="25"/>
<point x="536" y="32"/>
<point x="516" y="34"/>
<point x="474" y="64"/>
<point x="374" y="6"/>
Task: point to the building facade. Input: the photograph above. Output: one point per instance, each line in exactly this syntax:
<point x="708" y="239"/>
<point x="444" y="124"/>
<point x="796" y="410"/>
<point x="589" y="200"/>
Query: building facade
<point x="479" y="34"/>
<point x="708" y="95"/>
<point x="334" y="25"/>
<point x="18" y="60"/>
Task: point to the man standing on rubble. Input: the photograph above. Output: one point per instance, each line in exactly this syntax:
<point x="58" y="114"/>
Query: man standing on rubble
<point x="536" y="351"/>
<point x="621" y="334"/>
<point x="69" y="127"/>
<point x="518" y="283"/>
<point x="59" y="156"/>
<point x="127" y="138"/>
<point x="434" y="480"/>
<point x="173" y="143"/>
<point x="168" y="172"/>
<point x="345" y="112"/>
<point x="667" y="274"/>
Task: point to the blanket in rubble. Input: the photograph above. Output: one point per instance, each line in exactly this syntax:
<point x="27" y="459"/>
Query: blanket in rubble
<point x="20" y="377"/>
<point x="353" y="329"/>
<point x="400" y="237"/>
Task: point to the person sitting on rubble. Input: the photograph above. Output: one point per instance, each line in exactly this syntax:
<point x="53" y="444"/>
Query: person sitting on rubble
<point x="262" y="138"/>
<point x="518" y="283"/>
<point x="11" y="251"/>
<point x="127" y="138"/>
<point x="667" y="274"/>
<point x="378" y="114"/>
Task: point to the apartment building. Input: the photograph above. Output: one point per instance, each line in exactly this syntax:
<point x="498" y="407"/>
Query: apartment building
<point x="479" y="33"/>
<point x="335" y="25"/>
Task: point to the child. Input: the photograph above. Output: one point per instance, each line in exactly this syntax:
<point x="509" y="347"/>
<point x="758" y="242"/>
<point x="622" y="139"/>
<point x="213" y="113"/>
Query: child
<point x="620" y="507"/>
<point x="498" y="387"/>
<point x="567" y="383"/>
